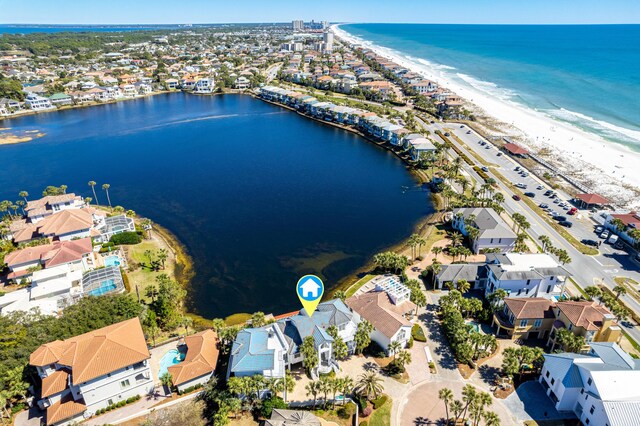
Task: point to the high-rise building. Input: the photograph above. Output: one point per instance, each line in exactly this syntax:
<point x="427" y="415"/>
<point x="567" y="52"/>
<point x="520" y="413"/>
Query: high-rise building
<point x="298" y="25"/>
<point x="328" y="41"/>
<point x="325" y="25"/>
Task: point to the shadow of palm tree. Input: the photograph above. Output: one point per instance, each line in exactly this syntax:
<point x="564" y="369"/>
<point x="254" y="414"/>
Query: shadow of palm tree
<point x="489" y="374"/>
<point x="435" y="334"/>
<point x="371" y="366"/>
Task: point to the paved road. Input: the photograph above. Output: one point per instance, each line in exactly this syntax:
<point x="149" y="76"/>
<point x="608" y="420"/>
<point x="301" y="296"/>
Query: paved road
<point x="586" y="270"/>
<point x="272" y="71"/>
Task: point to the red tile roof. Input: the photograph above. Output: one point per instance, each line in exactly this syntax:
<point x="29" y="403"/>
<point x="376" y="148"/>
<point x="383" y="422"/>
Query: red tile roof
<point x="201" y="358"/>
<point x="515" y="149"/>
<point x="592" y="198"/>
<point x="529" y="307"/>
<point x="588" y="315"/>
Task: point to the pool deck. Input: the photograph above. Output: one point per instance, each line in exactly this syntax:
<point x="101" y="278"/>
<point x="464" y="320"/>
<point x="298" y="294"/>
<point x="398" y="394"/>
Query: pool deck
<point x="156" y="355"/>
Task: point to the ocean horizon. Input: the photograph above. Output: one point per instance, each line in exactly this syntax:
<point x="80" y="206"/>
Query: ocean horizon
<point x="582" y="75"/>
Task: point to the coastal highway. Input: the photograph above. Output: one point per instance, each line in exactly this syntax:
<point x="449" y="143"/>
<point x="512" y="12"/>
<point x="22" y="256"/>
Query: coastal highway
<point x="585" y="270"/>
<point x="272" y="72"/>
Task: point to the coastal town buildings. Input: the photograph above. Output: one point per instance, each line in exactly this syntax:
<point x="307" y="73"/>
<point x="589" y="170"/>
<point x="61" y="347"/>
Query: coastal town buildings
<point x="82" y="374"/>
<point x="492" y="231"/>
<point x="199" y="363"/>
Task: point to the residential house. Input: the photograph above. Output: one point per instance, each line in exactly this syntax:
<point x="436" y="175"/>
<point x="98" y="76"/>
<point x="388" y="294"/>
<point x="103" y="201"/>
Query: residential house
<point x="388" y="308"/>
<point x="37" y="103"/>
<point x="417" y="145"/>
<point x="199" y="363"/>
<point x="8" y="106"/>
<point x="492" y="231"/>
<point x="204" y="85"/>
<point x="524" y="318"/>
<point x="600" y="388"/>
<point x="474" y="273"/>
<point x="630" y="220"/>
<point x="271" y="349"/>
<point x="37" y="210"/>
<point x="590" y="320"/>
<point x="113" y="225"/>
<point x="242" y="83"/>
<point x="60" y="99"/>
<point x="69" y="224"/>
<point x="81" y="375"/>
<point x="525" y="275"/>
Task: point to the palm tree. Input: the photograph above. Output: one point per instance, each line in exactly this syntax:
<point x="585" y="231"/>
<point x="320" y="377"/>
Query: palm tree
<point x="369" y="384"/>
<point x="463" y="286"/>
<point x="106" y="187"/>
<point x="436" y="250"/>
<point x="446" y="395"/>
<point x="436" y="267"/>
<point x="92" y="184"/>
<point x="312" y="389"/>
<point x="491" y="419"/>
<point x="456" y="407"/>
<point x="618" y="224"/>
<point x="340" y="294"/>
<point x="24" y="195"/>
<point x="394" y="347"/>
<point x="163" y="254"/>
<point x="413" y="243"/>
<point x="619" y="290"/>
<point x="456" y="238"/>
<point x="347" y="386"/>
<point x="404" y="358"/>
<point x="421" y="241"/>
<point x="593" y="292"/>
<point x="468" y="396"/>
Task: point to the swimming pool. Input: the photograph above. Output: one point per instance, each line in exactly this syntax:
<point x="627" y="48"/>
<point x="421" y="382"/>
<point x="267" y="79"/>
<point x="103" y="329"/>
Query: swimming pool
<point x="172" y="357"/>
<point x="105" y="287"/>
<point x="112" y="261"/>
<point x="475" y="325"/>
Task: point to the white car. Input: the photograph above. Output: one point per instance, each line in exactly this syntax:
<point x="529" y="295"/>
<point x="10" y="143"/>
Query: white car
<point x="521" y="185"/>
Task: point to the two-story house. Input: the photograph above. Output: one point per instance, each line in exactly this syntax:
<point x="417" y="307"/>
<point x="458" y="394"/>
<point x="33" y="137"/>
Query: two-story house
<point x="271" y="349"/>
<point x="525" y="275"/>
<point x="388" y="308"/>
<point x="524" y="318"/>
<point x="199" y="362"/>
<point x="91" y="371"/>
<point x="600" y="388"/>
<point x="492" y="231"/>
<point x="37" y="210"/>
<point x="590" y="320"/>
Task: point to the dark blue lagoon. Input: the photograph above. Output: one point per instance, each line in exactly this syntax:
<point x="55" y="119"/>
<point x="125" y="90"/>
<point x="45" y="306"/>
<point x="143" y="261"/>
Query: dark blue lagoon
<point x="258" y="194"/>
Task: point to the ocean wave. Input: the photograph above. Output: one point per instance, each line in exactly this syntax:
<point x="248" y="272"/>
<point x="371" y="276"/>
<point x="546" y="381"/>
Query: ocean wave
<point x="605" y="128"/>
<point x="488" y="87"/>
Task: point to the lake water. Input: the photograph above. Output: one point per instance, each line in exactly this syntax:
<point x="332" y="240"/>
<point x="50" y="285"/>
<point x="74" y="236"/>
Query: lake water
<point x="258" y="194"/>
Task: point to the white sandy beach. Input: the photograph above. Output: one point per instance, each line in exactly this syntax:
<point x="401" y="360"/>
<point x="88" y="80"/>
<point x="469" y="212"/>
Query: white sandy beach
<point x="603" y="166"/>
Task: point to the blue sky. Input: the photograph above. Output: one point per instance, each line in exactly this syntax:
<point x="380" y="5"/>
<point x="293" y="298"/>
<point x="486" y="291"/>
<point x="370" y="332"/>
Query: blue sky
<point x="418" y="11"/>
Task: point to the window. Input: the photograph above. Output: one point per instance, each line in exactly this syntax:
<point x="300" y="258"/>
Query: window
<point x="528" y="282"/>
<point x="589" y="381"/>
<point x="499" y="240"/>
<point x="570" y="327"/>
<point x="125" y="384"/>
<point x="587" y="421"/>
<point x="548" y="288"/>
<point x="523" y="323"/>
<point x="110" y="402"/>
<point x="491" y="241"/>
<point x="547" y="375"/>
<point x="537" y="323"/>
<point x="553" y="381"/>
<point x="526" y="291"/>
<point x="581" y="391"/>
<point x="593" y="408"/>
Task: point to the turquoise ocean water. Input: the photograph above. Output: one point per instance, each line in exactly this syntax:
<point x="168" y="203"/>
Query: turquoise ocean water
<point x="587" y="75"/>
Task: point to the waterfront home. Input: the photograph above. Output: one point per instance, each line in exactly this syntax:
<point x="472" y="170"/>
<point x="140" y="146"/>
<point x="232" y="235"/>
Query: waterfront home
<point x="271" y="349"/>
<point x="417" y="145"/>
<point x="397" y="136"/>
<point x="187" y="84"/>
<point x="524" y="318"/>
<point x="492" y="231"/>
<point x="525" y="275"/>
<point x="590" y="320"/>
<point x="242" y="83"/>
<point x="92" y="371"/>
<point x="8" y="106"/>
<point x="37" y="210"/>
<point x="111" y="225"/>
<point x="172" y="83"/>
<point x="76" y="253"/>
<point x="281" y="417"/>
<point x="69" y="224"/>
<point x="60" y="99"/>
<point x="128" y="90"/>
<point x="388" y="131"/>
<point x="37" y="103"/>
<point x="199" y="363"/>
<point x="204" y="85"/>
<point x="423" y="86"/>
<point x="388" y="308"/>
<point x="600" y="388"/>
<point x="473" y="273"/>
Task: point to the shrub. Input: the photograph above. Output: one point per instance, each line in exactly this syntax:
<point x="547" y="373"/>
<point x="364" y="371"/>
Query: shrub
<point x="127" y="238"/>
<point x="364" y="424"/>
<point x="418" y="333"/>
<point x="410" y="343"/>
<point x="269" y="404"/>
<point x="395" y="367"/>
<point x="379" y="402"/>
<point x="362" y="402"/>
<point x="346" y="411"/>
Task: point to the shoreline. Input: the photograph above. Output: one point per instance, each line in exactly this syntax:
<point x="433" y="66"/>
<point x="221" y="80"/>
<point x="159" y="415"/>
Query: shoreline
<point x="597" y="163"/>
<point x="420" y="227"/>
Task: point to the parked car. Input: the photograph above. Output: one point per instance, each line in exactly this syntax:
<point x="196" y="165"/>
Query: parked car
<point x="516" y="197"/>
<point x="572" y="211"/>
<point x="556" y="201"/>
<point x="589" y="242"/>
<point x="525" y="174"/>
<point x="530" y="194"/>
<point x="517" y="169"/>
<point x="468" y="132"/>
<point x="559" y="218"/>
<point x="548" y="192"/>
<point x="521" y="185"/>
<point x="462" y="126"/>
<point x="613" y="239"/>
<point x="605" y="234"/>
<point x="499" y="154"/>
<point x="485" y="169"/>
<point x="543" y="205"/>
<point x="488" y="146"/>
<point x="447" y="134"/>
<point x="566" y="223"/>
<point x="540" y="187"/>
<point x="599" y="229"/>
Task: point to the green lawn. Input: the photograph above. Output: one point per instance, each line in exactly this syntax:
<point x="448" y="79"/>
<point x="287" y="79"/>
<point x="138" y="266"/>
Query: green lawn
<point x="382" y="416"/>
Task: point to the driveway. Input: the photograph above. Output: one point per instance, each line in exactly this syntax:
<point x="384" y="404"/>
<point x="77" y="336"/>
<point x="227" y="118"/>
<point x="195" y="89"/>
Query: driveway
<point x="446" y="364"/>
<point x="421" y="406"/>
<point x="530" y="402"/>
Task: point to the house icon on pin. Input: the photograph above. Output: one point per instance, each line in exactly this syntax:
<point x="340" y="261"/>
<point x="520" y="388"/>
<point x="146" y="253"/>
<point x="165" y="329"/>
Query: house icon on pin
<point x="310" y="289"/>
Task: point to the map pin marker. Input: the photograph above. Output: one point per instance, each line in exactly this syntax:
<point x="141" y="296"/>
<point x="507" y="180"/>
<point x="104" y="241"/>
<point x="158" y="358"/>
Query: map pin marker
<point x="310" y="289"/>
